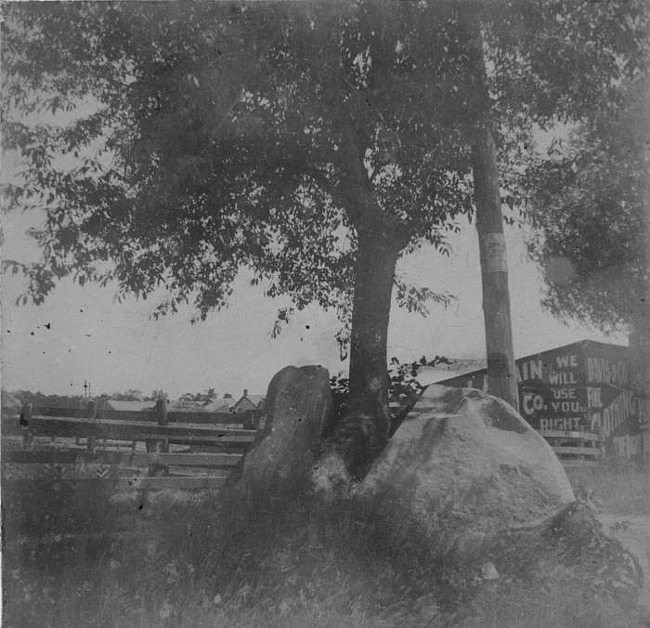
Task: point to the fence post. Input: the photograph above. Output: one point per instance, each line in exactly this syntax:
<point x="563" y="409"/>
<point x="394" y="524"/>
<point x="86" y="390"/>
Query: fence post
<point x="25" y="416"/>
<point x="161" y="411"/>
<point x="92" y="415"/>
<point x="159" y="445"/>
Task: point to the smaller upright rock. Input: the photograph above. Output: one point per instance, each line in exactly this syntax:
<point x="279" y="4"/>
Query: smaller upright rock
<point x="299" y="409"/>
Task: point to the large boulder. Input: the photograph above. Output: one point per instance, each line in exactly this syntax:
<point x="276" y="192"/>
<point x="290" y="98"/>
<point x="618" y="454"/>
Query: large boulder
<point x="299" y="410"/>
<point x="468" y="458"/>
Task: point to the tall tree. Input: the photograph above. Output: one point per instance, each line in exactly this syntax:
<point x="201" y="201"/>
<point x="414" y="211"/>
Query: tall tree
<point x="132" y="394"/>
<point x="202" y="398"/>
<point x="315" y="143"/>
<point x="266" y="136"/>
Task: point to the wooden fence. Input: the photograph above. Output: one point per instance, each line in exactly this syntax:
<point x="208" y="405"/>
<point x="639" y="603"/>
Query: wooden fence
<point x="575" y="448"/>
<point x="208" y="442"/>
<point x="205" y="453"/>
<point x="250" y="419"/>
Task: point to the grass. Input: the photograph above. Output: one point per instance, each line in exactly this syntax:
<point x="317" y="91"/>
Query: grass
<point x="279" y="559"/>
<point x="619" y="487"/>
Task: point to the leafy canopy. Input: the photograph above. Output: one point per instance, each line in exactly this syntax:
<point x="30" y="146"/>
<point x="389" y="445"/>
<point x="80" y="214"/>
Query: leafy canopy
<point x="588" y="204"/>
<point x="203" y="398"/>
<point x="171" y="144"/>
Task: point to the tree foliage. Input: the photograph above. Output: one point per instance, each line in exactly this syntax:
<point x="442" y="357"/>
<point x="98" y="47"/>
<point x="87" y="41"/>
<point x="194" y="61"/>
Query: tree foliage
<point x="588" y="205"/>
<point x="171" y="144"/>
<point x="132" y="394"/>
<point x="223" y="136"/>
<point x="202" y="398"/>
<point x="206" y="137"/>
<point x="403" y="386"/>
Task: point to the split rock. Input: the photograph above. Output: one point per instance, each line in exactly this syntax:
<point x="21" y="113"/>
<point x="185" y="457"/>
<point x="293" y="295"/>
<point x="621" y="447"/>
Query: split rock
<point x="468" y="461"/>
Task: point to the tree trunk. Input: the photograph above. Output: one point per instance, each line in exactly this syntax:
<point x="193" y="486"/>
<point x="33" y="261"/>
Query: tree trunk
<point x="501" y="367"/>
<point x="359" y="437"/>
<point x="374" y="275"/>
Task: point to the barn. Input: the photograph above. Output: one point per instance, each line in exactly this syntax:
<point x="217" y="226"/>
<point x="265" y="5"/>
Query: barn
<point x="584" y="386"/>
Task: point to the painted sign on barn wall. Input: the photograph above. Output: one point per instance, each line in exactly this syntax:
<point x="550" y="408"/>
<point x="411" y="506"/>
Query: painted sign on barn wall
<point x="584" y="386"/>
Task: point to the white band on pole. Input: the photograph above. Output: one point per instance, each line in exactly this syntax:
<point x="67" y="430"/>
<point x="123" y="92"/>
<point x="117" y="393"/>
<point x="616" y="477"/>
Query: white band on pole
<point x="495" y="252"/>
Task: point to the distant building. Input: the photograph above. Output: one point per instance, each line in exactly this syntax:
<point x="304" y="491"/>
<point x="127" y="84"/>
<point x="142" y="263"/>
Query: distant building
<point x="11" y="405"/>
<point x="248" y="402"/>
<point x="183" y="405"/>
<point x="220" y="405"/>
<point x="584" y="386"/>
<point x="128" y="406"/>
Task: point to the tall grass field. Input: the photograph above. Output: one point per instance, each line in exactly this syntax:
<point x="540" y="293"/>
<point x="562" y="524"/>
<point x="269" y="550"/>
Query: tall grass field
<point x="277" y="559"/>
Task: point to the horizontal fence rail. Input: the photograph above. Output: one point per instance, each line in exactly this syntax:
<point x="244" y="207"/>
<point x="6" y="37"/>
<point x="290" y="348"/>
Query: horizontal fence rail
<point x="250" y="419"/>
<point x="583" y="436"/>
<point x="575" y="448"/>
<point x="138" y="431"/>
<point x="207" y="460"/>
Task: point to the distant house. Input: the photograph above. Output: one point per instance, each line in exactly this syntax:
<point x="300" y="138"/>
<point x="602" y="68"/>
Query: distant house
<point x="220" y="405"/>
<point x="248" y="402"/>
<point x="183" y="405"/>
<point x="129" y="406"/>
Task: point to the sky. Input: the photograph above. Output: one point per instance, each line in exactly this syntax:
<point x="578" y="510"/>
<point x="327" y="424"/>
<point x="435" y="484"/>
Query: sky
<point x="82" y="334"/>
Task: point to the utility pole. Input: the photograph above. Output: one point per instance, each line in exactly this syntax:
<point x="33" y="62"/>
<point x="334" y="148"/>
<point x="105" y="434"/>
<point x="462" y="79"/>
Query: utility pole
<point x="640" y="337"/>
<point x="501" y="367"/>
